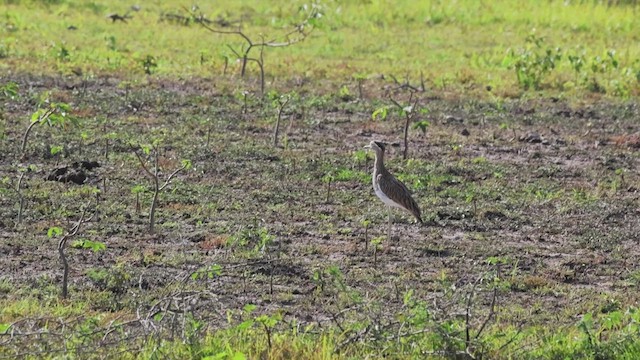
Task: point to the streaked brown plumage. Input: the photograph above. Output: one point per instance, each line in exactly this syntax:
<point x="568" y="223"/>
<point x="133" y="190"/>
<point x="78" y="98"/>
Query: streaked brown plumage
<point x="389" y="189"/>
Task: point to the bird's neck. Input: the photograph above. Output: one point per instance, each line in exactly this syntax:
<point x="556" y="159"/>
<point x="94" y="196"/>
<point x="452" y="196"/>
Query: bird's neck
<point x="379" y="164"/>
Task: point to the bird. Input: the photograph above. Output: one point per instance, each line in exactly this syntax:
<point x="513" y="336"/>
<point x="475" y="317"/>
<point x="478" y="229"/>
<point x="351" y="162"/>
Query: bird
<point x="389" y="189"/>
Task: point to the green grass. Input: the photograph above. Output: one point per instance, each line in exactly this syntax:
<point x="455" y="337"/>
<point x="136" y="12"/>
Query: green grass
<point x="260" y="250"/>
<point x="463" y="46"/>
<point x="611" y="335"/>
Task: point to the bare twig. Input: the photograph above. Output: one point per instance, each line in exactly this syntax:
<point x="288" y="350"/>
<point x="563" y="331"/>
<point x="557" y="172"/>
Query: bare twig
<point x="406" y="85"/>
<point x="299" y="33"/>
<point x="467" y="317"/>
<point x="492" y="312"/>
<point x="18" y="191"/>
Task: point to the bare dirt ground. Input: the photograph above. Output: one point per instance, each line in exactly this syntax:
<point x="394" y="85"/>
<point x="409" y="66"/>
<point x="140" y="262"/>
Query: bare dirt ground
<point x="545" y="189"/>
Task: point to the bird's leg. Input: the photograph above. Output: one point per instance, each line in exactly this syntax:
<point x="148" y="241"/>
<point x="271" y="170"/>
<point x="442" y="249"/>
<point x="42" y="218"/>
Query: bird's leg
<point x="389" y="224"/>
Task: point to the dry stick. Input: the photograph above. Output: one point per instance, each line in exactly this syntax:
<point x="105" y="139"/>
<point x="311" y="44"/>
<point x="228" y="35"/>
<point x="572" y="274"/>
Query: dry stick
<point x="137" y="203"/>
<point x="486" y="320"/>
<point x="366" y="237"/>
<point x="405" y="84"/>
<point x="271" y="279"/>
<point x="467" y="317"/>
<point x="268" y="331"/>
<point x="21" y="197"/>
<point x="276" y="130"/>
<point x="157" y="188"/>
<point x="106" y="141"/>
<point x="492" y="309"/>
<point x="257" y="61"/>
<point x="375" y="256"/>
<point x="63" y="243"/>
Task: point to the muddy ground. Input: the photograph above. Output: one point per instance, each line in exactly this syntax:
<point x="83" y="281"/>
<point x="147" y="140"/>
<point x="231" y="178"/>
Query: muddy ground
<point x="542" y="192"/>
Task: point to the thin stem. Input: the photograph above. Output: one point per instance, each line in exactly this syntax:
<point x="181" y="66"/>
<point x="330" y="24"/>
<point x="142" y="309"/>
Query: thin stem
<point x="157" y="188"/>
<point x="40" y="120"/>
<point x="21" y="197"/>
<point x="276" y="131"/>
<point x="62" y="244"/>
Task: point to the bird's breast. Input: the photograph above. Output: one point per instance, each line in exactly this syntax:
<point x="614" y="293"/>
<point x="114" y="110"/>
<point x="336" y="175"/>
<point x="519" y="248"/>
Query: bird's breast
<point x="380" y="194"/>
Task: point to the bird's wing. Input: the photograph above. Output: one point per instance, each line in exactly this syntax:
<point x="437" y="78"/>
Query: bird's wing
<point x="398" y="192"/>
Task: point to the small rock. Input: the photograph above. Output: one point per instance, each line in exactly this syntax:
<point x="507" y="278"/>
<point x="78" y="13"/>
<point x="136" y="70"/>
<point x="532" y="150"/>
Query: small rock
<point x="464" y="132"/>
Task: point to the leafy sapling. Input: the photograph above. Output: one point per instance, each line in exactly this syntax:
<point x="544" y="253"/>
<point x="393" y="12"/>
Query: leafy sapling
<point x="328" y="179"/>
<point x="54" y="231"/>
<point x="279" y="102"/>
<point x="409" y="112"/>
<point x="50" y="113"/>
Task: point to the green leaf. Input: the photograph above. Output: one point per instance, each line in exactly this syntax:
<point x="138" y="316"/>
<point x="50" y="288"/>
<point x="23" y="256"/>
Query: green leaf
<point x="380" y="113"/>
<point x="239" y="356"/>
<point x="360" y="155"/>
<point x="95" y="246"/>
<point x="586" y="323"/>
<point x="138" y="189"/>
<point x="408" y="297"/>
<point x="56" y="149"/>
<point x="218" y="356"/>
<point x="248" y="308"/>
<point x="215" y="270"/>
<point x="613" y="320"/>
<point x="245" y="325"/>
<point x="10" y="90"/>
<point x="422" y="125"/>
<point x="54" y="231"/>
<point x="36" y="115"/>
<point x="4" y="327"/>
<point x="186" y="163"/>
<point x="268" y="321"/>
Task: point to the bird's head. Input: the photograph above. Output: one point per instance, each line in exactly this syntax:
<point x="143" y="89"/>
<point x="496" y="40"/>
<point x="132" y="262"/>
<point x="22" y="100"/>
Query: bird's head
<point x="378" y="146"/>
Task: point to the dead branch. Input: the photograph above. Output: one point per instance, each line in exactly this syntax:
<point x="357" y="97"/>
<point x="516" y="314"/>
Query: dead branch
<point x="18" y="191"/>
<point x="492" y="310"/>
<point x="299" y="33"/>
<point x="407" y="85"/>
